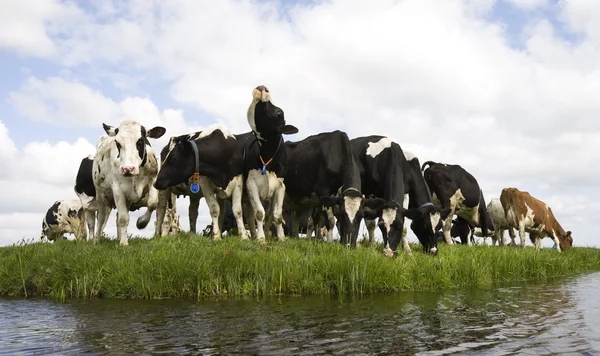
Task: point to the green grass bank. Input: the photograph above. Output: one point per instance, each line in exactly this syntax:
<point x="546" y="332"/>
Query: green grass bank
<point x="192" y="267"/>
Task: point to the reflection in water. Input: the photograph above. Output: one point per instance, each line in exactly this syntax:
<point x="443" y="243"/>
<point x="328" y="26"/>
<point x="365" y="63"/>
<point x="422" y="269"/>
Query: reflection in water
<point x="551" y="318"/>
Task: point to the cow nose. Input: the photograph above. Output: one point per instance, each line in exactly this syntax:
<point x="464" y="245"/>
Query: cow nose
<point x="128" y="171"/>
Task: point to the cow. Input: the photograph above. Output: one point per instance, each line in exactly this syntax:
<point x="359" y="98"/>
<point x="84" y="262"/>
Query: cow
<point x="64" y="217"/>
<point x="124" y="169"/>
<point x="321" y="174"/>
<point x="496" y="211"/>
<point x="180" y="189"/>
<point x="85" y="190"/>
<point x="463" y="230"/>
<point x="528" y="214"/>
<point x="456" y="191"/>
<point x="388" y="173"/>
<point x="265" y="162"/>
<point x="213" y="159"/>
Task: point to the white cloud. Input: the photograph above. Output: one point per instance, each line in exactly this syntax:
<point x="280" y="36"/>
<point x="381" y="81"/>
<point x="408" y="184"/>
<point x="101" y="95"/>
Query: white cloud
<point x="529" y="4"/>
<point x="437" y="76"/>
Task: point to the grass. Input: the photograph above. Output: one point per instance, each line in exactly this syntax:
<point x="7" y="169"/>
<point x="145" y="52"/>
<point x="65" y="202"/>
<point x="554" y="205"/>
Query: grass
<point x="192" y="267"/>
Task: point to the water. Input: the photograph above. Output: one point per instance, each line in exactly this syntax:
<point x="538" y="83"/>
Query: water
<point x="561" y="317"/>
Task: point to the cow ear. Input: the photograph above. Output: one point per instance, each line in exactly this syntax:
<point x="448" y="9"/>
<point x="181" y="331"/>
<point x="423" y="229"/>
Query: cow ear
<point x="156" y="132"/>
<point x="329" y="201"/>
<point x="374" y="203"/>
<point x="288" y="130"/>
<point x="110" y="131"/>
<point x="370" y="214"/>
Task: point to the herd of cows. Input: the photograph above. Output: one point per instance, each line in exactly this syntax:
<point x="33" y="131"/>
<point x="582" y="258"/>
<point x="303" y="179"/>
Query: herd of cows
<point x="257" y="181"/>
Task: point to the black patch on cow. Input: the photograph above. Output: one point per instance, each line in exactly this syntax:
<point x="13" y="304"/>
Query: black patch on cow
<point x="51" y="218"/>
<point x="84" y="182"/>
<point x="118" y="150"/>
<point x="72" y="213"/>
<point x="141" y="146"/>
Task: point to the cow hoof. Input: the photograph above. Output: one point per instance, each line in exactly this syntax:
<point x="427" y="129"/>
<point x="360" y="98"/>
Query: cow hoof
<point x="124" y="243"/>
<point x="262" y="241"/>
<point x="216" y="238"/>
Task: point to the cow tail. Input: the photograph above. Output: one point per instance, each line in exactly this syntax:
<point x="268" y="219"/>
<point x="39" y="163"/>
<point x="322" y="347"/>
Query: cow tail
<point x="484" y="216"/>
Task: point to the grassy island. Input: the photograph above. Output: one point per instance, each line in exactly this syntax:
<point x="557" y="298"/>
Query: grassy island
<point x="192" y="267"/>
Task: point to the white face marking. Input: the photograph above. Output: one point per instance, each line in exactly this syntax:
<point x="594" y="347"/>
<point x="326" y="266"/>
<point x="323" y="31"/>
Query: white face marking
<point x="409" y="155"/>
<point x="257" y="96"/>
<point x="435" y="219"/>
<point x="375" y="148"/>
<point x="127" y="157"/>
<point x="351" y="205"/>
<point x="388" y="216"/>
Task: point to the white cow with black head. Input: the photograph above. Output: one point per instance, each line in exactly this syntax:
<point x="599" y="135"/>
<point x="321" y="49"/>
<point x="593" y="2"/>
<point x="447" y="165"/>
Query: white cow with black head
<point x="124" y="171"/>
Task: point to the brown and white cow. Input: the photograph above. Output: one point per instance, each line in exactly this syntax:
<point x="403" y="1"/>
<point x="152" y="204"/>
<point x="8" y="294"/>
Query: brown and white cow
<point x="531" y="215"/>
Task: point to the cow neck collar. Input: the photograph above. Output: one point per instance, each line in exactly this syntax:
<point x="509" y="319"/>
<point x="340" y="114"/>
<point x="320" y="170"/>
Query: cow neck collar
<point x="261" y="146"/>
<point x="196" y="177"/>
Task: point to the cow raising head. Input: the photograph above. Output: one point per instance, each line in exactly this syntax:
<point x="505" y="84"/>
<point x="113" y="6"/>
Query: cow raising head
<point x="129" y="151"/>
<point x="265" y="118"/>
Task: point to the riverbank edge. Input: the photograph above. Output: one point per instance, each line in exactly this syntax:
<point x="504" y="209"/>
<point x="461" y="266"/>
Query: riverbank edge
<point x="188" y="266"/>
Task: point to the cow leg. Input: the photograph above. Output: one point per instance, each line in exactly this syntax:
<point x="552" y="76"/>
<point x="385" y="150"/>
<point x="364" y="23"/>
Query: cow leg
<point x="151" y="204"/>
<point x="310" y="226"/>
<point x="122" y="219"/>
<point x="257" y="209"/>
<point x="193" y="212"/>
<point x="555" y="239"/>
<point x="522" y="233"/>
<point x="250" y="218"/>
<point x="81" y="232"/>
<point x="370" y="223"/>
<point x="276" y="205"/>
<point x="103" y="214"/>
<point x="236" y="207"/>
<point x="221" y="203"/>
<point x="213" y="207"/>
<point x="161" y="210"/>
<point x="330" y="223"/>
<point x="90" y="218"/>
<point x="295" y="217"/>
<point x="405" y="245"/>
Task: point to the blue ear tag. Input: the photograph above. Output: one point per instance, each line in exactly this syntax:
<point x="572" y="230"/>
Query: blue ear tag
<point x="263" y="170"/>
<point x="195" y="187"/>
<point x="554" y="247"/>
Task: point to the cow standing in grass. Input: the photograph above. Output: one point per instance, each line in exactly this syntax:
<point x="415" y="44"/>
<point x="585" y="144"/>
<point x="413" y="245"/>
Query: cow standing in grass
<point x="389" y="173"/>
<point x="64" y="217"/>
<point x="124" y="170"/>
<point x="265" y="162"/>
<point x="528" y="214"/>
<point x="456" y="191"/>
<point x="215" y="155"/>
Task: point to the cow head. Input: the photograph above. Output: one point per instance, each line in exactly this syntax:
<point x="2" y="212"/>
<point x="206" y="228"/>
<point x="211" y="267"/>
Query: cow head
<point x="350" y="205"/>
<point x="426" y="224"/>
<point x="129" y="150"/>
<point x="565" y="241"/>
<point x="177" y="163"/>
<point x="266" y="119"/>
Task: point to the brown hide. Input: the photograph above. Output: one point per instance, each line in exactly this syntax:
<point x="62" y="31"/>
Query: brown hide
<point x="517" y="202"/>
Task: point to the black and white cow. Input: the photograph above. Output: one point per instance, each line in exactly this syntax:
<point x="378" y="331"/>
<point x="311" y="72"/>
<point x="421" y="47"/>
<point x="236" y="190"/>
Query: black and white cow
<point x="265" y="162"/>
<point x="318" y="167"/>
<point x="216" y="156"/>
<point x="388" y="173"/>
<point x="456" y="191"/>
<point x="178" y="190"/>
<point x="64" y="217"/>
<point x="124" y="169"/>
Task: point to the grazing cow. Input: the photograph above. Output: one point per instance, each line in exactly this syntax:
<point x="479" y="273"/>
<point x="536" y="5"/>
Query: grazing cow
<point x="64" y="217"/>
<point x="388" y="173"/>
<point x="321" y="173"/>
<point x="216" y="157"/>
<point x="124" y="170"/>
<point x="529" y="214"/>
<point x="496" y="211"/>
<point x="265" y="162"/>
<point x="180" y="189"/>
<point x="463" y="230"/>
<point x="456" y="191"/>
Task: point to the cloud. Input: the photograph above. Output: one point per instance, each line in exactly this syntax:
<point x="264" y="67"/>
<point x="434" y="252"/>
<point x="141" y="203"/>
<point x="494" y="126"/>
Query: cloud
<point x="439" y="77"/>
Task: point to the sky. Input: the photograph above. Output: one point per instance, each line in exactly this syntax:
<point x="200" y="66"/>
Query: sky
<point x="508" y="89"/>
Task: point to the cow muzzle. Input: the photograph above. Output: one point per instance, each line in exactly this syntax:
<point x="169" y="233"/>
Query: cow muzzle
<point x="128" y="171"/>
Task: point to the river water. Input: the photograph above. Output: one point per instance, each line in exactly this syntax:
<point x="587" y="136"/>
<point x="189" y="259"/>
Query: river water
<point x="559" y="317"/>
